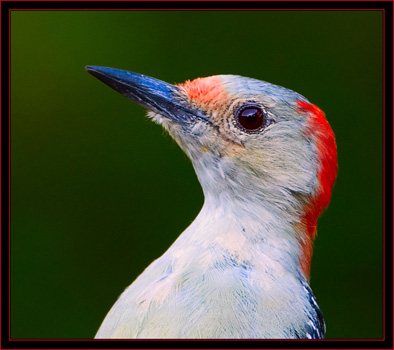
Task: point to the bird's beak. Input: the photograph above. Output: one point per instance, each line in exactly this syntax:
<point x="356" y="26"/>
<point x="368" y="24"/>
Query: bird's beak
<point x="153" y="94"/>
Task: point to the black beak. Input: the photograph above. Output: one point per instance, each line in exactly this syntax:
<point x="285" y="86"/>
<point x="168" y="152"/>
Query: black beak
<point x="153" y="94"/>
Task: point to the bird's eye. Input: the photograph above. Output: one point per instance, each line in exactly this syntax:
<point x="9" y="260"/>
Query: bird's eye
<point x="251" y="118"/>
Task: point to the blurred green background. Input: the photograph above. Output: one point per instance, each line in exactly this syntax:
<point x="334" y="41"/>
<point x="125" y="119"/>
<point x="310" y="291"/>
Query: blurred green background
<point x="98" y="191"/>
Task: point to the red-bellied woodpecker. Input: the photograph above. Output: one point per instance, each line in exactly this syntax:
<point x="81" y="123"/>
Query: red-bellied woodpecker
<point x="266" y="160"/>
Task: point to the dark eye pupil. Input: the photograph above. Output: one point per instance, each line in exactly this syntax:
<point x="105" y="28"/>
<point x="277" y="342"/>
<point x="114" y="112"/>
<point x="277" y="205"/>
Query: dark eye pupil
<point x="251" y="118"/>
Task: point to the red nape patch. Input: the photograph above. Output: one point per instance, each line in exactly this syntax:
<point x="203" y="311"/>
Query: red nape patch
<point x="204" y="90"/>
<point x="327" y="154"/>
<point x="306" y="254"/>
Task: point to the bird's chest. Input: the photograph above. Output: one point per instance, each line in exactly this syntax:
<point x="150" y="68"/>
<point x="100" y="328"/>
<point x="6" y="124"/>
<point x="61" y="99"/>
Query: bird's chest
<point x="221" y="296"/>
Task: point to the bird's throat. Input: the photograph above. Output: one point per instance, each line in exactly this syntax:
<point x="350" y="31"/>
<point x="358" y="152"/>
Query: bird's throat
<point x="253" y="237"/>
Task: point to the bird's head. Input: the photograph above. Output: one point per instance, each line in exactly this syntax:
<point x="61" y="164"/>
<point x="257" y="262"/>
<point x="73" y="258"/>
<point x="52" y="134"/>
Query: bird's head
<point x="249" y="141"/>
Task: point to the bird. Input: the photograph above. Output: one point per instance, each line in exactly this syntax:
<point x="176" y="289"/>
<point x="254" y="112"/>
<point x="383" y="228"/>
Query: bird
<point x="266" y="159"/>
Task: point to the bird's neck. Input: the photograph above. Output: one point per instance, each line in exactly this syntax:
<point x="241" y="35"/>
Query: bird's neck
<point x="244" y="231"/>
<point x="264" y="211"/>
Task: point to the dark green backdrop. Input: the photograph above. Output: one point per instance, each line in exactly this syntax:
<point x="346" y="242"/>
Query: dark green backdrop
<point x="98" y="192"/>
